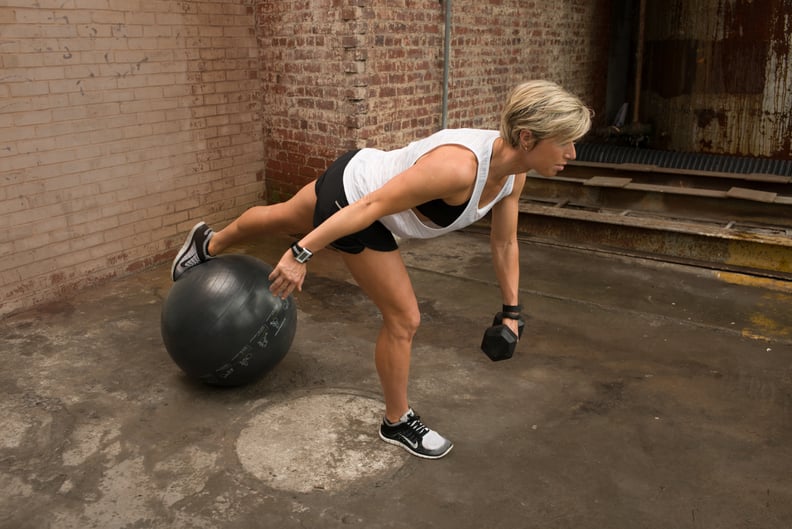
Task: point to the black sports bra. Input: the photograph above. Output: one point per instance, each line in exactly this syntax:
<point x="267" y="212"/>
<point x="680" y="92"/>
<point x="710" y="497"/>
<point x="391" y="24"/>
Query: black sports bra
<point x="441" y="213"/>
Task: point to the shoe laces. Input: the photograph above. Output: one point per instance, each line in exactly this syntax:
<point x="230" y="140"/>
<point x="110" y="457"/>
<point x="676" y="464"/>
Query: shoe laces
<point x="416" y="427"/>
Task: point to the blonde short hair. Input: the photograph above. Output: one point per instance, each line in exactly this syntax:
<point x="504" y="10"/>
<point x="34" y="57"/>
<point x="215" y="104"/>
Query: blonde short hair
<point x="547" y="111"/>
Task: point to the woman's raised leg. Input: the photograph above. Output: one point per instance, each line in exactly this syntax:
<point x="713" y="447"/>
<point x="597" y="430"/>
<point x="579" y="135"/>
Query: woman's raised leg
<point x="292" y="216"/>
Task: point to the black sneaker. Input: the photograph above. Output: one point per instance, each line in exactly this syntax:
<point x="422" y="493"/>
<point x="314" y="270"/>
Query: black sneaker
<point x="411" y="434"/>
<point x="194" y="251"/>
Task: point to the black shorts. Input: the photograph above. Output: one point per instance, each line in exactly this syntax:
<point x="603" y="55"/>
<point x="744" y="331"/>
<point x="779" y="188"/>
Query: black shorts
<point x="330" y="197"/>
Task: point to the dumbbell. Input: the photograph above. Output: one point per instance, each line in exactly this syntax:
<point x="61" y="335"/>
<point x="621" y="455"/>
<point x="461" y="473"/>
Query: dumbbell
<point x="499" y="340"/>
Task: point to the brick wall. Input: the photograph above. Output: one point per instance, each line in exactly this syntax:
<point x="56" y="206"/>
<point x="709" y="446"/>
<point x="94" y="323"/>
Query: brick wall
<point x="403" y="72"/>
<point x="310" y="62"/>
<point x="499" y="44"/>
<point x="342" y="74"/>
<point x="121" y="122"/>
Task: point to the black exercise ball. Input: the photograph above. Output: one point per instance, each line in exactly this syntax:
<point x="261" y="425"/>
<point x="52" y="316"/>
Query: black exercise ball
<point x="222" y="325"/>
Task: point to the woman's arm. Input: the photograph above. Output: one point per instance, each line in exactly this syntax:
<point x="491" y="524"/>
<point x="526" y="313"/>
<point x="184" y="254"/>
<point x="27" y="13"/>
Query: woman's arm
<point x="505" y="250"/>
<point x="443" y="172"/>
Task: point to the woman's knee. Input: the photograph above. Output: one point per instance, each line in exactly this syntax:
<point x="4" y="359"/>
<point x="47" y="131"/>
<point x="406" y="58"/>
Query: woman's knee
<point x="403" y="324"/>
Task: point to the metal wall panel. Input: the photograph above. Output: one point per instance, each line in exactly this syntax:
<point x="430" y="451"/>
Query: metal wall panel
<point x="717" y="76"/>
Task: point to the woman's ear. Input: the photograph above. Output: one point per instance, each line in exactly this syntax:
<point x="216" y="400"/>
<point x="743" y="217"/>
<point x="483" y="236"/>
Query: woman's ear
<point x="526" y="140"/>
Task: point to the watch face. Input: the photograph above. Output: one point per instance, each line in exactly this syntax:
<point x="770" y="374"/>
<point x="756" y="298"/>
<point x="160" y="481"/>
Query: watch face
<point x="301" y="255"/>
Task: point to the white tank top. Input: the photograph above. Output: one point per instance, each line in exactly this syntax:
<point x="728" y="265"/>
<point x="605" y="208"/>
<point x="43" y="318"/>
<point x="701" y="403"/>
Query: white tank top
<point x="370" y="169"/>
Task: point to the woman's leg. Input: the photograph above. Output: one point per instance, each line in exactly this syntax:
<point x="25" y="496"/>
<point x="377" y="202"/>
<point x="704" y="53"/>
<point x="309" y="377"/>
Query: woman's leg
<point x="383" y="277"/>
<point x="293" y="216"/>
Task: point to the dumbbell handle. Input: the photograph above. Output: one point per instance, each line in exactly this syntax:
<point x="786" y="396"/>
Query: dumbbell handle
<point x="498" y="320"/>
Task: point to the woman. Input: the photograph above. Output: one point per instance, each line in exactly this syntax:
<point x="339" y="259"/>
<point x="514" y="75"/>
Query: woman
<point x="433" y="186"/>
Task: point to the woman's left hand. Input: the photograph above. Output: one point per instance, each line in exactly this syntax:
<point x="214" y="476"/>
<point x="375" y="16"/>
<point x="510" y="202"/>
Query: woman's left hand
<point x="287" y="276"/>
<point x="513" y="325"/>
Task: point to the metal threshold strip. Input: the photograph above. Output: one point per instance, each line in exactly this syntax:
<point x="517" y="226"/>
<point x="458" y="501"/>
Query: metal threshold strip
<point x="729" y="229"/>
<point x="734" y="246"/>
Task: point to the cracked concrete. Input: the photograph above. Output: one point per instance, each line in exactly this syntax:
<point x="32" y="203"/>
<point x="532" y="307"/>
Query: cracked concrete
<point x="643" y="395"/>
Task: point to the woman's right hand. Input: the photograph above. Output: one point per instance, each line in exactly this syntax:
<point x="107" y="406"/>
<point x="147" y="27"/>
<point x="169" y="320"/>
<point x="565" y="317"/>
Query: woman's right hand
<point x="287" y="276"/>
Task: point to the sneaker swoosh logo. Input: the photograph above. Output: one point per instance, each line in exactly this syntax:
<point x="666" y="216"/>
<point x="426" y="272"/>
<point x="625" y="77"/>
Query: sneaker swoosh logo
<point x="186" y="259"/>
<point x="410" y="443"/>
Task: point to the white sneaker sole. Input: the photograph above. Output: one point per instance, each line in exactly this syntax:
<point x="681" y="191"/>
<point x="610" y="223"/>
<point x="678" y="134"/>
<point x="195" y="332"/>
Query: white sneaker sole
<point x="184" y="248"/>
<point x="413" y="452"/>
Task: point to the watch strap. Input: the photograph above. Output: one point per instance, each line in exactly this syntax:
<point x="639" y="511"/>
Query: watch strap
<point x="301" y="255"/>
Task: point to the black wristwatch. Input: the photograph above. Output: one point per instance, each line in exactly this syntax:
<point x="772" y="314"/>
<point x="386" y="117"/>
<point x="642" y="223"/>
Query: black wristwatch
<point x="301" y="255"/>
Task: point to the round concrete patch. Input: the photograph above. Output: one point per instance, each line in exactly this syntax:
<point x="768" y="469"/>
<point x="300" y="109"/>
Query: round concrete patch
<point x="317" y="442"/>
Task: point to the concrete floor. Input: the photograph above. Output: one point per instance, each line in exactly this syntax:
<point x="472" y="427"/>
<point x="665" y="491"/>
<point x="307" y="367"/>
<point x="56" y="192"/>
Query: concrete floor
<point x="643" y="395"/>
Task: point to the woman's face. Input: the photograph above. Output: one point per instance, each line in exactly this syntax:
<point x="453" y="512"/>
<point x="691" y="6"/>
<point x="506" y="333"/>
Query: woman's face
<point x="548" y="157"/>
